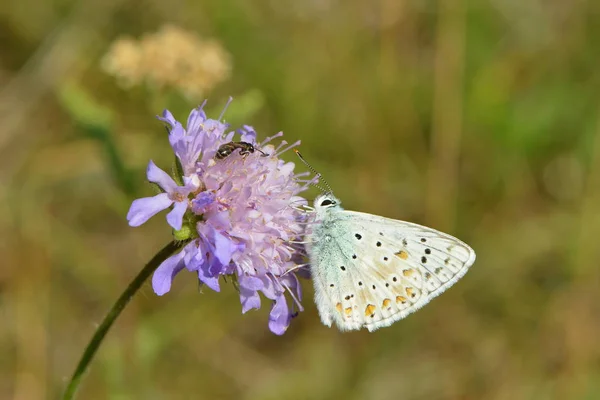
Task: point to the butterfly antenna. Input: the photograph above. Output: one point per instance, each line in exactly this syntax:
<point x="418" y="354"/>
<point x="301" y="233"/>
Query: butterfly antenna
<point x="318" y="174"/>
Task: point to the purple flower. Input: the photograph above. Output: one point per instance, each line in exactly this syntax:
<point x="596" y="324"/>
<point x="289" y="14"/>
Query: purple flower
<point x="198" y="141"/>
<point x="143" y="209"/>
<point x="242" y="210"/>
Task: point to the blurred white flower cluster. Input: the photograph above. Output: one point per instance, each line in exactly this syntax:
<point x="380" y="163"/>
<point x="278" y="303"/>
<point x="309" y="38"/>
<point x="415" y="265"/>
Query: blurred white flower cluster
<point x="169" y="58"/>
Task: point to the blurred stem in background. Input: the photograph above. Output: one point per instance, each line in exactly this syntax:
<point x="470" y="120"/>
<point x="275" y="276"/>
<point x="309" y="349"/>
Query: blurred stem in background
<point x="447" y="115"/>
<point x="97" y="122"/>
<point x="112" y="315"/>
<point x="586" y="254"/>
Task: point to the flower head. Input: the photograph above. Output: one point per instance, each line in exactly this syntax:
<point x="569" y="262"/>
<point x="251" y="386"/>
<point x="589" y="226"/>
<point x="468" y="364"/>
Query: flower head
<point x="242" y="210"/>
<point x="171" y="57"/>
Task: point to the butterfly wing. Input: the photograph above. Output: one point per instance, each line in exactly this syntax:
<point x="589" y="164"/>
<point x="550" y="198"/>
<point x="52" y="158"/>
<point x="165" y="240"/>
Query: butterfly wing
<point x="371" y="271"/>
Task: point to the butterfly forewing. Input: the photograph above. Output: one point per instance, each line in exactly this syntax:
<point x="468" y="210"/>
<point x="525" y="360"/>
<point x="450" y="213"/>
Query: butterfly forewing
<point x="371" y="271"/>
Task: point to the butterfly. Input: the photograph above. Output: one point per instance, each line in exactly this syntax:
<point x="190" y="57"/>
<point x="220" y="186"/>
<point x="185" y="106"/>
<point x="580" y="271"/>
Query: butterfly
<point x="371" y="271"/>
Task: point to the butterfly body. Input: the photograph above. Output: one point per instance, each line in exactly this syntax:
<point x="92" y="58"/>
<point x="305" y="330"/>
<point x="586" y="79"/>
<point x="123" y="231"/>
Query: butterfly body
<point x="370" y="271"/>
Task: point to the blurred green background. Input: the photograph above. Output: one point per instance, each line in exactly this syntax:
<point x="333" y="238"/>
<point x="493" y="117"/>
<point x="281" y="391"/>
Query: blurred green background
<point x="479" y="118"/>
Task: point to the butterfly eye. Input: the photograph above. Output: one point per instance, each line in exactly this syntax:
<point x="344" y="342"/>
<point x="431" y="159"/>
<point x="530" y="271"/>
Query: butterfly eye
<point x="326" y="202"/>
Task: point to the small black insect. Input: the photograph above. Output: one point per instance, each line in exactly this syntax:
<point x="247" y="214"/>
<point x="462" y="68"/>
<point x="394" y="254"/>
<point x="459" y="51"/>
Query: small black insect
<point x="228" y="148"/>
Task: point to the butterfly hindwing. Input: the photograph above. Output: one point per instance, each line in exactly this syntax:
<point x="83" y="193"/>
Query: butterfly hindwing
<point x="371" y="271"/>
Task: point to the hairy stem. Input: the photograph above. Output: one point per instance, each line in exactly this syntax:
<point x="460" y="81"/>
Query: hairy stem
<point x="112" y="315"/>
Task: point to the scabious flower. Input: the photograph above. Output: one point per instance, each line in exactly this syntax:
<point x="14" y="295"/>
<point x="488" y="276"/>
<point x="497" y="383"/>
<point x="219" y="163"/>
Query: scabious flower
<point x="193" y="65"/>
<point x="240" y="215"/>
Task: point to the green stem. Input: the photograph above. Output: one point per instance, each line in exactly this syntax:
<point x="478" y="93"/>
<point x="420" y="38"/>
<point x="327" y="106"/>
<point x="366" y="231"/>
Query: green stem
<point x="112" y="315"/>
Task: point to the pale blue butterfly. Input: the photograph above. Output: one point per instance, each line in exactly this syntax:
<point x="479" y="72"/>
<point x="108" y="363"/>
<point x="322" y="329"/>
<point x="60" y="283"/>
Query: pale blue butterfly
<point x="371" y="271"/>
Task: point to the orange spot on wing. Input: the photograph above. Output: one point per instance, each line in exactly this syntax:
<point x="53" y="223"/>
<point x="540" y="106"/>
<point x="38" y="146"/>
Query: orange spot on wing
<point x="338" y="306"/>
<point x="410" y="292"/>
<point x="386" y="303"/>
<point x="370" y="310"/>
<point x="408" y="272"/>
<point x="402" y="254"/>
<point x="400" y="299"/>
<point x="348" y="311"/>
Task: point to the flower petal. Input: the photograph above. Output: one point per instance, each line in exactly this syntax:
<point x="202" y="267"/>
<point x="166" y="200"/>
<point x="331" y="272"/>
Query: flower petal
<point x="202" y="201"/>
<point x="279" y="318"/>
<point x="196" y="118"/>
<point x="177" y="138"/>
<point x="194" y="256"/>
<point x="224" y="248"/>
<point x="268" y="288"/>
<point x="164" y="274"/>
<point x="220" y="221"/>
<point x="175" y="217"/>
<point x="249" y="297"/>
<point x="167" y="117"/>
<point x="191" y="183"/>
<point x="210" y="280"/>
<point x="248" y="134"/>
<point x="229" y="137"/>
<point x="160" y="177"/>
<point x="250" y="282"/>
<point x="250" y="300"/>
<point x="291" y="280"/>
<point x="143" y="209"/>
